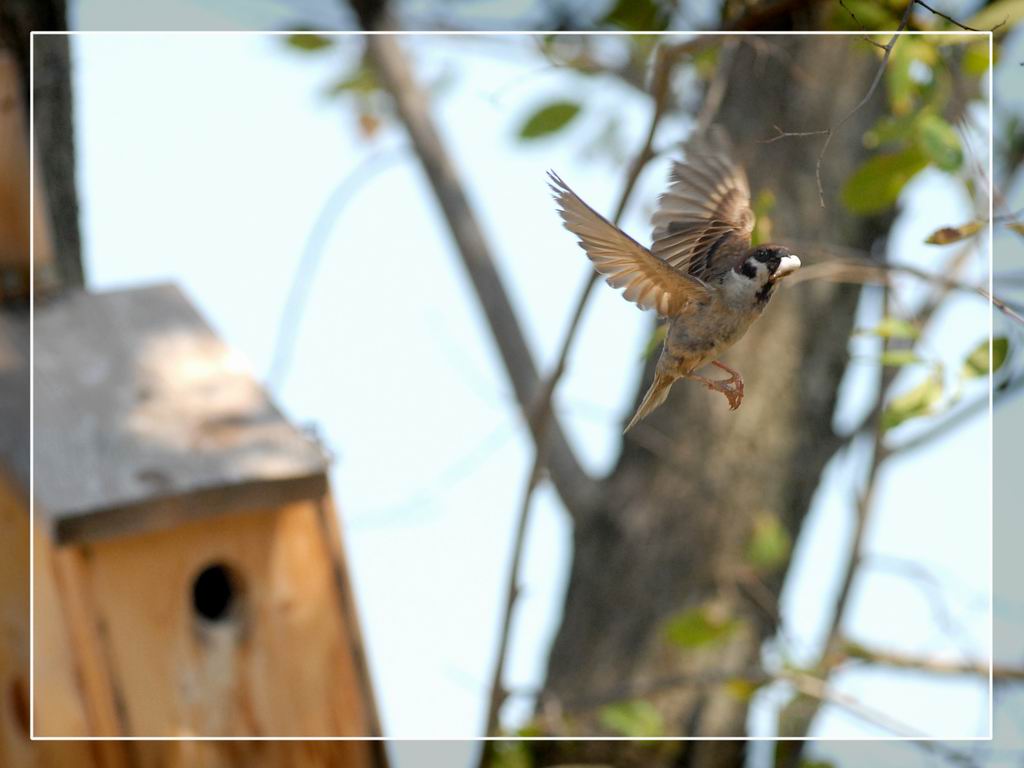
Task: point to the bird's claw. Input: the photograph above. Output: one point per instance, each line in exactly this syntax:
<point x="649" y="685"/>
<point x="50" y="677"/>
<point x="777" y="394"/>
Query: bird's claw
<point x="732" y="388"/>
<point x="734" y="395"/>
<point x="733" y="391"/>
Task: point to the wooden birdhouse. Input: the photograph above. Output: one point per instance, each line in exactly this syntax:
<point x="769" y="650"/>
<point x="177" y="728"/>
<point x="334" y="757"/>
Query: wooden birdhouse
<point x="189" y="573"/>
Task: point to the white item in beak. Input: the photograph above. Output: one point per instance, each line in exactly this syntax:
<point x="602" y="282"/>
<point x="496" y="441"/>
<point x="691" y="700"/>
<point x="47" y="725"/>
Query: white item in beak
<point x="788" y="265"/>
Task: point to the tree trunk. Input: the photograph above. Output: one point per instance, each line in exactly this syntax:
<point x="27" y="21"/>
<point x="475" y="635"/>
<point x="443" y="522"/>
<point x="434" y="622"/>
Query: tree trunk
<point x="54" y="137"/>
<point x="680" y="507"/>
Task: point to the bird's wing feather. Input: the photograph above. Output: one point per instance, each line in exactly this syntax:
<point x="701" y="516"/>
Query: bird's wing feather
<point x="649" y="282"/>
<point x="704" y="219"/>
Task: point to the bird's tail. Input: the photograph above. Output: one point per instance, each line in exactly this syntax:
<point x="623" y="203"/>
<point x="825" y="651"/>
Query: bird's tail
<point x="655" y="396"/>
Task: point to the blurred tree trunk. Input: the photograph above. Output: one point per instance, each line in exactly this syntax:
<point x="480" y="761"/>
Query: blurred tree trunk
<point x="680" y="508"/>
<point x="54" y="138"/>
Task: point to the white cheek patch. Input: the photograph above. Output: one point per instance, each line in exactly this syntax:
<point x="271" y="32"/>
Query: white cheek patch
<point x="787" y="266"/>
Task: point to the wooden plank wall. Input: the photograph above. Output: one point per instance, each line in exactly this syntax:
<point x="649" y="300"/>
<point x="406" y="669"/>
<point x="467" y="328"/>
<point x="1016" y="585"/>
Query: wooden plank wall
<point x="282" y="665"/>
<point x="16" y="750"/>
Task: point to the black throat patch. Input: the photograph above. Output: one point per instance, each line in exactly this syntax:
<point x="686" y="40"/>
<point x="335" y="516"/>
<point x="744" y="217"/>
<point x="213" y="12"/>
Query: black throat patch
<point x="765" y="293"/>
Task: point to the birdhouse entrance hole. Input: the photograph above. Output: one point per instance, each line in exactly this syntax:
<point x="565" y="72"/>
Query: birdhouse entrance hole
<point x="216" y="593"/>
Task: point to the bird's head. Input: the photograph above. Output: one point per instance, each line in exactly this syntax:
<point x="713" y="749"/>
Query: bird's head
<point x="764" y="266"/>
<point x="769" y="263"/>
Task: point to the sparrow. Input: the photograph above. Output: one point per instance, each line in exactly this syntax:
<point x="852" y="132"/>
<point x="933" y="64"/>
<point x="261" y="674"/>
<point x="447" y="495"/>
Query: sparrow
<point x="701" y="273"/>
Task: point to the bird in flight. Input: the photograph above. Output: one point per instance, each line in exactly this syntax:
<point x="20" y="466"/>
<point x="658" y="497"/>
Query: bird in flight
<point x="701" y="272"/>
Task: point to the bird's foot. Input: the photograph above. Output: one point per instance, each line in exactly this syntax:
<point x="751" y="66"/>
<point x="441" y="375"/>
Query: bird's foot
<point x="732" y="387"/>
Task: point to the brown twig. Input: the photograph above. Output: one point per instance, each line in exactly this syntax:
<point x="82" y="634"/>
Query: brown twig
<point x="819" y="689"/>
<point x="863" y="508"/>
<point x="859" y="653"/>
<point x="781" y="134"/>
<point x="953" y="21"/>
<point x="860" y="268"/>
<point x="856" y="267"/>
<point x="867" y="97"/>
<point x="830" y="132"/>
<point x="852" y="14"/>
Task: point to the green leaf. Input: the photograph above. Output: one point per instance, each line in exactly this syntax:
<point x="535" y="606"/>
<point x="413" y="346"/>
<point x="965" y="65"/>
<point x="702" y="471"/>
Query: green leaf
<point x="902" y="84"/>
<point x="892" y="328"/>
<point x="978" y="362"/>
<point x="947" y="235"/>
<point x="939" y="142"/>
<point x="359" y="80"/>
<point x="511" y="754"/>
<point x="740" y="689"/>
<point x="900" y="357"/>
<point x="1004" y="13"/>
<point x="975" y="61"/>
<point x="637" y="16"/>
<point x="769" y="544"/>
<point x="899" y="83"/>
<point x="699" y="627"/>
<point x="891" y="129"/>
<point x="637" y="719"/>
<point x="706" y="62"/>
<point x="654" y="343"/>
<point x="763" y="206"/>
<point x="870" y="14"/>
<point x="309" y="41"/>
<point x="919" y="401"/>
<point x="877" y="184"/>
<point x="549" y="119"/>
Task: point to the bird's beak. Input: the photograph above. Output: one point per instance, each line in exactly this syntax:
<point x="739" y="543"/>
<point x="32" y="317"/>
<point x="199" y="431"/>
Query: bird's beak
<point x="787" y="266"/>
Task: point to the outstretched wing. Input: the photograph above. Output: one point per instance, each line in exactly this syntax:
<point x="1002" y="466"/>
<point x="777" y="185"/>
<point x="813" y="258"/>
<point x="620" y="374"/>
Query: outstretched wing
<point x="647" y="281"/>
<point x="704" y="221"/>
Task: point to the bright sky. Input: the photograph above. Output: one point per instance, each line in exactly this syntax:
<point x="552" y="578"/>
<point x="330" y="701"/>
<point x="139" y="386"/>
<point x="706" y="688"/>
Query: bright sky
<point x="206" y="159"/>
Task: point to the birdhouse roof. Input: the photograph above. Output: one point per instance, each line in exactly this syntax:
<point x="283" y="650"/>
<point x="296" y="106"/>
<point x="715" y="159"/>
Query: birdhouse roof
<point x="144" y="418"/>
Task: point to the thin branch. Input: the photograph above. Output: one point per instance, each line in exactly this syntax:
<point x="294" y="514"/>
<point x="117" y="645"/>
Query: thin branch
<point x="576" y="488"/>
<point x="852" y="14"/>
<point x="781" y="134"/>
<point x="830" y="132"/>
<point x="819" y="689"/>
<point x="498" y="692"/>
<point x="867" y="97"/>
<point x="863" y="269"/>
<point x="953" y="21"/>
<point x="895" y="660"/>
<point x="863" y="510"/>
<point x="857" y="267"/>
<point x="860" y="268"/>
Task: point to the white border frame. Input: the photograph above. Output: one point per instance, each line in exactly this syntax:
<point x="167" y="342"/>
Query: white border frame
<point x="517" y="33"/>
